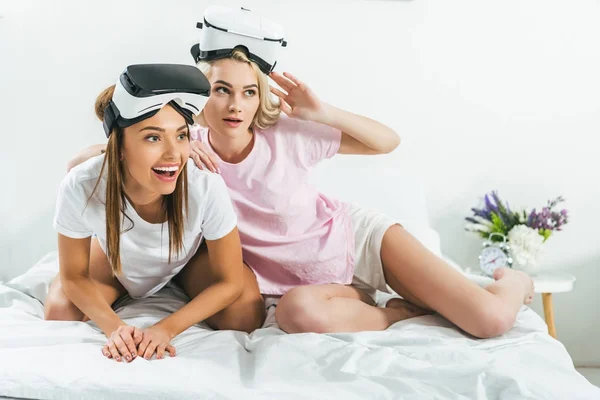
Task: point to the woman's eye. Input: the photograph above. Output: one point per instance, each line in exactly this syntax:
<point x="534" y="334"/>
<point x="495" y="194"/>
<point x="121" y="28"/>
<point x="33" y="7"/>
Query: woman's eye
<point x="183" y="136"/>
<point x="221" y="89"/>
<point x="152" y="138"/>
<point x="250" y="92"/>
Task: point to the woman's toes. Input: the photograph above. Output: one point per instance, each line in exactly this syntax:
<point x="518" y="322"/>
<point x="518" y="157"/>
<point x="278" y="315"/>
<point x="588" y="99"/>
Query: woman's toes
<point x="499" y="273"/>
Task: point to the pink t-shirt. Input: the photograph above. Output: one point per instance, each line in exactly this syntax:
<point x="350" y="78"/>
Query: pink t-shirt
<point x="291" y="234"/>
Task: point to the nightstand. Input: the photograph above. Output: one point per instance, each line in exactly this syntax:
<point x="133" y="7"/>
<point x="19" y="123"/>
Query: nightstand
<point x="548" y="283"/>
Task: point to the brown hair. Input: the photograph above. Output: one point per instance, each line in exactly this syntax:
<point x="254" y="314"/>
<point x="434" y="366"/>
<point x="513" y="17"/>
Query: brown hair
<point x="174" y="205"/>
<point x="268" y="110"/>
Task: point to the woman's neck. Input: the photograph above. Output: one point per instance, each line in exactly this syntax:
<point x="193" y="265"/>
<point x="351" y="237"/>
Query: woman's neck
<point x="149" y="206"/>
<point x="231" y="150"/>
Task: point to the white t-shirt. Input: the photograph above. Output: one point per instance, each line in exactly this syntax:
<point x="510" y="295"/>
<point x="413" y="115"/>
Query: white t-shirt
<point x="144" y="249"/>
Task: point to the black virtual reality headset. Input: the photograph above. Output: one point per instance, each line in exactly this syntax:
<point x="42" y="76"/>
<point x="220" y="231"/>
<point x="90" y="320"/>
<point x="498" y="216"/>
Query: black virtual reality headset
<point x="143" y="89"/>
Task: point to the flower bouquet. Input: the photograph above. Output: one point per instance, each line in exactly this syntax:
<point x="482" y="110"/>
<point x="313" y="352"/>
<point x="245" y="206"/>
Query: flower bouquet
<point x="524" y="230"/>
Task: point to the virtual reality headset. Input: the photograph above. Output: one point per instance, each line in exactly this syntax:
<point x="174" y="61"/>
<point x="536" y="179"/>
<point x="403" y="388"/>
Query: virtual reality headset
<point x="226" y="28"/>
<point x="143" y="89"/>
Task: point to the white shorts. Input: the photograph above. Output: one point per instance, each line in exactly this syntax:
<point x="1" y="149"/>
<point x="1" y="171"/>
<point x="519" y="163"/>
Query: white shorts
<point x="369" y="227"/>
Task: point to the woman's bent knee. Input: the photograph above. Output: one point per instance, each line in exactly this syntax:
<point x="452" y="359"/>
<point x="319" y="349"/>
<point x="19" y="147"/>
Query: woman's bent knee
<point x="298" y="312"/>
<point x="61" y="310"/>
<point x="58" y="307"/>
<point x="248" y="322"/>
<point x="493" y="323"/>
<point x="246" y="315"/>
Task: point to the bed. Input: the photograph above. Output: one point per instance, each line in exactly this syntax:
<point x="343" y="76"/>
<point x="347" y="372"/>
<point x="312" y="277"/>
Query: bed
<point x="421" y="358"/>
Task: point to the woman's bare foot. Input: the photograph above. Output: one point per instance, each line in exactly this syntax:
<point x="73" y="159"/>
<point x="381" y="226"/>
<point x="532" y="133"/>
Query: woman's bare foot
<point x="408" y="310"/>
<point x="519" y="277"/>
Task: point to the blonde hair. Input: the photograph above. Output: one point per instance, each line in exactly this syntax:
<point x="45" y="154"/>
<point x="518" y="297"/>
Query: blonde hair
<point x="268" y="110"/>
<point x="173" y="204"/>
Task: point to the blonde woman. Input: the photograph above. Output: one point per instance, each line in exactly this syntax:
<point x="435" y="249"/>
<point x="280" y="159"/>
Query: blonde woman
<point x="150" y="212"/>
<point x="322" y="258"/>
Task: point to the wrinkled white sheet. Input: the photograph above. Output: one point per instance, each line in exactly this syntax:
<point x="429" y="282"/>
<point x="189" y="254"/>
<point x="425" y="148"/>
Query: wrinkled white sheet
<point x="422" y="358"/>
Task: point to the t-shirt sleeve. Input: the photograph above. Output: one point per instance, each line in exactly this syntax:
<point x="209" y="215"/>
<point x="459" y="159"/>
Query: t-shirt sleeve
<point x="317" y="141"/>
<point x="219" y="216"/>
<point x="70" y="206"/>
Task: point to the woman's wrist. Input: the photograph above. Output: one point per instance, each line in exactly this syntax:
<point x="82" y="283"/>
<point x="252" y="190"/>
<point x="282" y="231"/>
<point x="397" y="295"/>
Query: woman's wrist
<point x="327" y="115"/>
<point x="167" y="328"/>
<point x="112" y="326"/>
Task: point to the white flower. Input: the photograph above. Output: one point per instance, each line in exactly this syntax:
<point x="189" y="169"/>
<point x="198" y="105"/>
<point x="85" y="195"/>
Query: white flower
<point x="524" y="215"/>
<point x="483" y="221"/>
<point x="525" y="244"/>
<point x="477" y="228"/>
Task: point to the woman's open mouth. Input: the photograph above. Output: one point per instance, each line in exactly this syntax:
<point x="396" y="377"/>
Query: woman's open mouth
<point x="233" y="122"/>
<point x="166" y="173"/>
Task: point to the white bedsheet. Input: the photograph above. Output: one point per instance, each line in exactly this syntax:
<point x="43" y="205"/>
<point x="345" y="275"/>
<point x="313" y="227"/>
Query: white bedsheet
<point x="422" y="358"/>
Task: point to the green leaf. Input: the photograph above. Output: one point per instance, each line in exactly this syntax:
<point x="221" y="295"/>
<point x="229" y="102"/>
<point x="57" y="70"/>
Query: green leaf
<point x="498" y="226"/>
<point x="546" y="233"/>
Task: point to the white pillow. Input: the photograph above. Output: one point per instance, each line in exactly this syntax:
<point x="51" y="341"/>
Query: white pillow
<point x="36" y="281"/>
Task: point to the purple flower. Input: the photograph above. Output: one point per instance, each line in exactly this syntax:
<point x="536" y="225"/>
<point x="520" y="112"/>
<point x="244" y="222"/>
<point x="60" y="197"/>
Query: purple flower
<point x="488" y="203"/>
<point x="547" y="219"/>
<point x="532" y="215"/>
<point x="504" y="212"/>
<point x="481" y="213"/>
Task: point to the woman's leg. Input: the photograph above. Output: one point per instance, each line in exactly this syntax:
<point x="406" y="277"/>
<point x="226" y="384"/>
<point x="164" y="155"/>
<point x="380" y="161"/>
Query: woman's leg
<point x="246" y="314"/>
<point x="58" y="306"/>
<point x="337" y="308"/>
<point x="340" y="308"/>
<point x="420" y="276"/>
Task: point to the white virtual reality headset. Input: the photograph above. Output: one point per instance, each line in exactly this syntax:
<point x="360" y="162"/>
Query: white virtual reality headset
<point x="143" y="89"/>
<point x="226" y="28"/>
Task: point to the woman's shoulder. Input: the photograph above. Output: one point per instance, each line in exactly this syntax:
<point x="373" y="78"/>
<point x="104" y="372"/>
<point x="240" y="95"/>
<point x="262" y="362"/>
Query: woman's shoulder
<point x="81" y="180"/>
<point x="283" y="125"/>
<point x="286" y="132"/>
<point x="85" y="173"/>
<point x="200" y="181"/>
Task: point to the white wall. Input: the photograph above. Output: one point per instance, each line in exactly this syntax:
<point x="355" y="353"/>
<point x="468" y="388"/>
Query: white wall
<point x="486" y="95"/>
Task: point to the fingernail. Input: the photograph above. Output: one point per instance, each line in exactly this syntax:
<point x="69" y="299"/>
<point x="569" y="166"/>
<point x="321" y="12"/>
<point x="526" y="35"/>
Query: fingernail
<point x="133" y="355"/>
<point x="118" y="358"/>
<point x="127" y="357"/>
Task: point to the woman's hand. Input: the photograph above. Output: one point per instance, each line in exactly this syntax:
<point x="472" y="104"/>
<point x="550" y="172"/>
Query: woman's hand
<point x="155" y="340"/>
<point x="203" y="157"/>
<point x="123" y="342"/>
<point x="297" y="100"/>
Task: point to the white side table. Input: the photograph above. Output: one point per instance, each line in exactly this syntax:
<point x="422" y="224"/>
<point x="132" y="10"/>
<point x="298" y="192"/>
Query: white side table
<point x="546" y="283"/>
